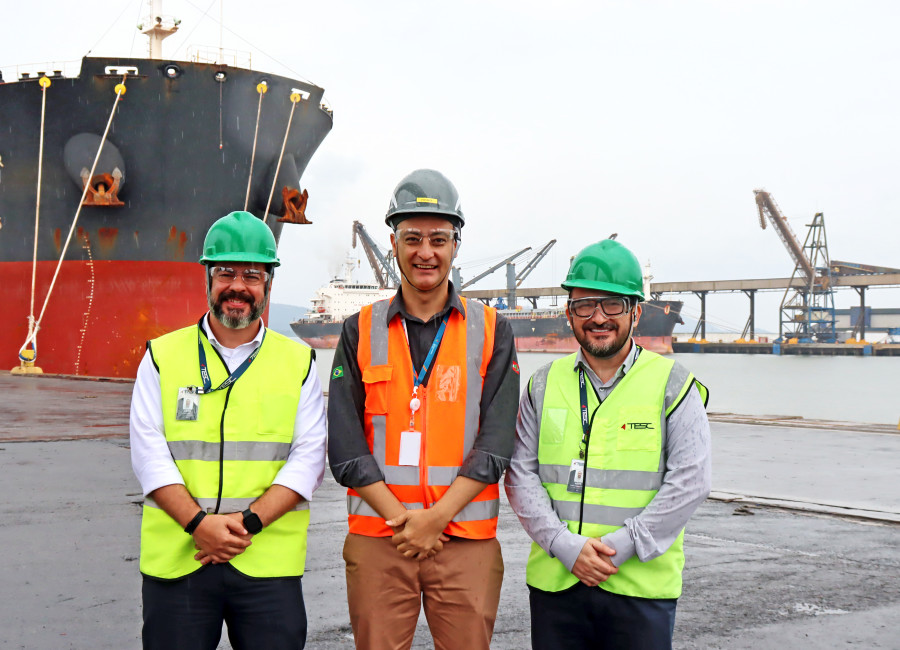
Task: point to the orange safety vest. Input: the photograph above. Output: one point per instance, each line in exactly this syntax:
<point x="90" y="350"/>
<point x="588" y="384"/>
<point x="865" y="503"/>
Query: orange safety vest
<point x="449" y="416"/>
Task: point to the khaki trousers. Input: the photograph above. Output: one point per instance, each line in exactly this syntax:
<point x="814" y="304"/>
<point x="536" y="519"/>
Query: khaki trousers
<point x="459" y="589"/>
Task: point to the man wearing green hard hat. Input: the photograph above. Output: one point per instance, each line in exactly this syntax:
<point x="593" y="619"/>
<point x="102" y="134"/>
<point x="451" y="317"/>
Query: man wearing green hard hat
<point x="612" y="458"/>
<point x="228" y="443"/>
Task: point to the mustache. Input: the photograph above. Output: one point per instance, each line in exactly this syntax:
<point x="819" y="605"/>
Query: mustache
<point x="238" y="295"/>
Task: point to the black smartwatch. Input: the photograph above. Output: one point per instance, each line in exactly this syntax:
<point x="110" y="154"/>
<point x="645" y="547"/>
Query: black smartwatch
<point x="252" y="522"/>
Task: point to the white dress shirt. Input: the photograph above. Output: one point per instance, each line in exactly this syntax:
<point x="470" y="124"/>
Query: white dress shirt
<point x="150" y="457"/>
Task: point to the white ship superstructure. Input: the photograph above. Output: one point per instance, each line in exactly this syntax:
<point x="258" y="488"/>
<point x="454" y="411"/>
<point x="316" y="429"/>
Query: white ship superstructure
<point x="342" y="297"/>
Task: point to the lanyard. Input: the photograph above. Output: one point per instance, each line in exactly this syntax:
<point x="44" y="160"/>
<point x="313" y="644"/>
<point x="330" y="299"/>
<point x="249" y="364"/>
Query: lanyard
<point x="420" y="376"/>
<point x="414" y="402"/>
<point x="585" y="419"/>
<point x="233" y="377"/>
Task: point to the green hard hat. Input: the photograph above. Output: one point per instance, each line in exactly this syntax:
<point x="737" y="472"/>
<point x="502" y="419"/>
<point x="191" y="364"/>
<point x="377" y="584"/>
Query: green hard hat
<point x="424" y="192"/>
<point x="240" y="237"/>
<point x="606" y="266"/>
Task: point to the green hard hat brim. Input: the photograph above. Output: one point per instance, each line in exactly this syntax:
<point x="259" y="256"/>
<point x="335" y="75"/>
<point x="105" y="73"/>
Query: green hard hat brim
<point x="609" y="287"/>
<point x="240" y="257"/>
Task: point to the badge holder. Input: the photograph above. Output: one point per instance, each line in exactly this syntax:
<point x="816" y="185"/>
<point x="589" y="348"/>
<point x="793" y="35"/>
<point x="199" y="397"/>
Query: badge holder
<point x="411" y="440"/>
<point x="188" y="406"/>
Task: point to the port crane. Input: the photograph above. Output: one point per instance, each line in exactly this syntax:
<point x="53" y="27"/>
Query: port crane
<point x="513" y="279"/>
<point x="381" y="261"/>
<point x="807" y="312"/>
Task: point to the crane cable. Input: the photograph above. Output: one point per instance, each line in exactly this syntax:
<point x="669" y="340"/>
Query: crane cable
<point x="44" y="83"/>
<point x="295" y="97"/>
<point x="261" y="88"/>
<point x="32" y="333"/>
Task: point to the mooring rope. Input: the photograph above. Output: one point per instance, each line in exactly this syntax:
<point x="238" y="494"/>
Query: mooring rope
<point x="44" y="83"/>
<point x="120" y="90"/>
<point x="261" y="88"/>
<point x="295" y="98"/>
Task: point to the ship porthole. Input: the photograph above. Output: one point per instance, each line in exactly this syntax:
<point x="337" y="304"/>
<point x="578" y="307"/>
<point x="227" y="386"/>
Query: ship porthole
<point x="221" y="77"/>
<point x="172" y="71"/>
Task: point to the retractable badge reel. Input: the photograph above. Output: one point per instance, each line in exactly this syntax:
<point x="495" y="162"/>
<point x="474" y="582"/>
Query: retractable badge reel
<point x="411" y="440"/>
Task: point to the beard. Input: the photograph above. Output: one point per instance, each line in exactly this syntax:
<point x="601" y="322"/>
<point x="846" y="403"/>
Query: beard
<point x="232" y="319"/>
<point x="603" y="350"/>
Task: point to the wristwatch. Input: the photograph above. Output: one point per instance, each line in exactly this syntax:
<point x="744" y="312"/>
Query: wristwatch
<point x="252" y="522"/>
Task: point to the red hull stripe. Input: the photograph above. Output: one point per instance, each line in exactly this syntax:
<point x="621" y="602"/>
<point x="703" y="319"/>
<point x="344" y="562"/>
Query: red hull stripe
<point x="101" y="313"/>
<point x="659" y="344"/>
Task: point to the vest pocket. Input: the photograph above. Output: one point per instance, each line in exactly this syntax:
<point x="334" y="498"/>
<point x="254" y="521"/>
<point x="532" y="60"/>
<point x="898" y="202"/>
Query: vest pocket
<point x="553" y="426"/>
<point x="277" y="413"/>
<point x="376" y="380"/>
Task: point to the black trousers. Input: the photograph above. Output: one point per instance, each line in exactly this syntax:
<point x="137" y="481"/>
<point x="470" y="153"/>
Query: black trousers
<point x="582" y="617"/>
<point x="187" y="614"/>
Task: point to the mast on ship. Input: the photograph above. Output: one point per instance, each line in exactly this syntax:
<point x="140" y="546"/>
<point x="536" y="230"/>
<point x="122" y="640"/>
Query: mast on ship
<point x="158" y="27"/>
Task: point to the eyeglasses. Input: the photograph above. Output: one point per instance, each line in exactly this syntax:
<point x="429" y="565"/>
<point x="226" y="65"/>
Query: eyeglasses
<point x="436" y="238"/>
<point x="610" y="307"/>
<point x="226" y="275"/>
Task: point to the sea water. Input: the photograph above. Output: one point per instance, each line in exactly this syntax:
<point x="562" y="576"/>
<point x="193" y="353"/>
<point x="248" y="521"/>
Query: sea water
<point x="852" y="389"/>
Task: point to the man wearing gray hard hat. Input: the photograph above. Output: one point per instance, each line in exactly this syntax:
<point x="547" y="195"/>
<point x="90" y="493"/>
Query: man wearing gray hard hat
<point x="421" y="413"/>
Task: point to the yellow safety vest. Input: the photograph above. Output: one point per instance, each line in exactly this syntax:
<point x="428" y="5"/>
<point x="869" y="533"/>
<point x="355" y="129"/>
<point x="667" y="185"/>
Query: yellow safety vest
<point x="240" y="440"/>
<point x="624" y="465"/>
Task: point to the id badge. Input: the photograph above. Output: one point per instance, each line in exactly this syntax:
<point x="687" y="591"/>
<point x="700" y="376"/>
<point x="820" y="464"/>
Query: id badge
<point x="576" y="477"/>
<point x="410" y="444"/>
<point x="188" y="405"/>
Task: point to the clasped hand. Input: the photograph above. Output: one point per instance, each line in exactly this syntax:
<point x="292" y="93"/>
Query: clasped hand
<point x="418" y="534"/>
<point x="221" y="538"/>
<point x="594" y="565"/>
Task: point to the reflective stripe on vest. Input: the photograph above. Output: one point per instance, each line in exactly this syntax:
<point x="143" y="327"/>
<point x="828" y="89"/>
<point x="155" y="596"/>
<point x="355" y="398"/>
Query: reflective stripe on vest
<point x="475" y="511"/>
<point x="250" y="428"/>
<point x="231" y="450"/>
<point x="470" y="338"/>
<point x="624" y="467"/>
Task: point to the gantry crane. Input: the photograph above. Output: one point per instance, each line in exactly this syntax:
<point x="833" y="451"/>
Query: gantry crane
<point x="807" y="312"/>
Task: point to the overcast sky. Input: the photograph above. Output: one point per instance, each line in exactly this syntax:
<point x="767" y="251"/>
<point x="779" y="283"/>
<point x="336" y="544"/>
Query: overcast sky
<point x="568" y="120"/>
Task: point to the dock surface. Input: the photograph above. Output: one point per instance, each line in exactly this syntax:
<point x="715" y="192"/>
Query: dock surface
<point x="799" y="546"/>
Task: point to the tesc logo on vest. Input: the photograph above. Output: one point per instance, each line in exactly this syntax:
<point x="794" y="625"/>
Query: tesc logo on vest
<point x="637" y="425"/>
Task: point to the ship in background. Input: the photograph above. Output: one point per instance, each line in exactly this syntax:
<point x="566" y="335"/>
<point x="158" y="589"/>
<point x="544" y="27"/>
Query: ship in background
<point x="536" y="330"/>
<point x="177" y="157"/>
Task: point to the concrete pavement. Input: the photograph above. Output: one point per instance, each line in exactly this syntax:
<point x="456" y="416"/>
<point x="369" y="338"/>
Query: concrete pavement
<point x="761" y="576"/>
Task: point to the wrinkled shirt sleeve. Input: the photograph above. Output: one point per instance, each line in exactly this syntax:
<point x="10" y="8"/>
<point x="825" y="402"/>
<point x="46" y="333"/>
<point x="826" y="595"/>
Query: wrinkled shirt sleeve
<point x="494" y="442"/>
<point x="151" y="459"/>
<point x="304" y="469"/>
<point x="686" y="485"/>
<point x="529" y="498"/>
<point x="351" y="462"/>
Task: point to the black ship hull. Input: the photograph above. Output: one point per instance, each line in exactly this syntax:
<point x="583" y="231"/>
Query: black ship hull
<point x="182" y="137"/>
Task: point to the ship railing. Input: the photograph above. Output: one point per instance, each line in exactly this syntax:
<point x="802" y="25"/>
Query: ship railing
<point x="214" y="55"/>
<point x="532" y="313"/>
<point x="34" y="71"/>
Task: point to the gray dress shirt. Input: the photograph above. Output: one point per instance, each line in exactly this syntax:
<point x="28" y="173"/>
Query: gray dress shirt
<point x="686" y="484"/>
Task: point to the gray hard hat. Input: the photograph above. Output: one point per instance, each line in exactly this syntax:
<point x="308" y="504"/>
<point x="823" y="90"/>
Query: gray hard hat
<point x="425" y="192"/>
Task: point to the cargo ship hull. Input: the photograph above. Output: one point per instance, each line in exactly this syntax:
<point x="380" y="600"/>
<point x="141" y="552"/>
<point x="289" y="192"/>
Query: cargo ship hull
<point x="535" y="331"/>
<point x="182" y="137"/>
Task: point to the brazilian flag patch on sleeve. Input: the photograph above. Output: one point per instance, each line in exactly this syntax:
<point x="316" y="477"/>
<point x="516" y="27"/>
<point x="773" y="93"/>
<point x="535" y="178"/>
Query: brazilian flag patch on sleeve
<point x="337" y="373"/>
